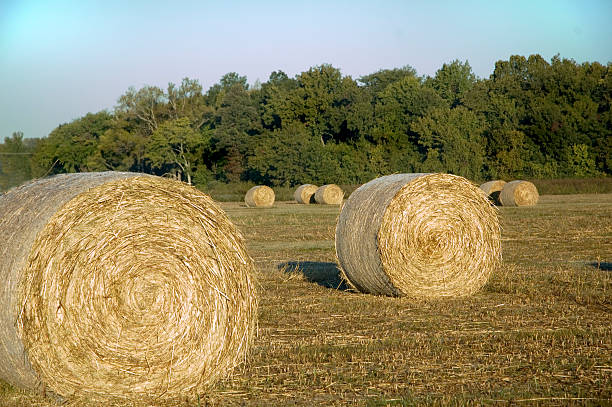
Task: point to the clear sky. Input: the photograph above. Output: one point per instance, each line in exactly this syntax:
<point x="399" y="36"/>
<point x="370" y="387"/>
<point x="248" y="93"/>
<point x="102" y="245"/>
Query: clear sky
<point x="61" y="59"/>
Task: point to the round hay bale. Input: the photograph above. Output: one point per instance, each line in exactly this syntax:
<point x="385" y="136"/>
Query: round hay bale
<point x="418" y="235"/>
<point x="519" y="193"/>
<point x="259" y="196"/>
<point x="493" y="189"/>
<point x="330" y="194"/>
<point x="121" y="286"/>
<point x="304" y="194"/>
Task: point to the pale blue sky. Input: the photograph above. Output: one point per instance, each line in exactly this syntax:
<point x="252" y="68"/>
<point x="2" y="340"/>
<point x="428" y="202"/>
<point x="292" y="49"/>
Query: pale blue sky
<point x="61" y="59"/>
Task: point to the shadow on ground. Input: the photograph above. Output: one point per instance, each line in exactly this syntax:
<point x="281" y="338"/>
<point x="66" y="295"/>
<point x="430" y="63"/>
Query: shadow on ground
<point x="604" y="266"/>
<point x="321" y="273"/>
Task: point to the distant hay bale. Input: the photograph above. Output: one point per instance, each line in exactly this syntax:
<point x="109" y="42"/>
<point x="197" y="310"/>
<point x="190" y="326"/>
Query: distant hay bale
<point x="259" y="196"/>
<point x="121" y="286"/>
<point x="330" y="194"/>
<point x="418" y="235"/>
<point x="519" y="193"/>
<point x="493" y="189"/>
<point x="304" y="194"/>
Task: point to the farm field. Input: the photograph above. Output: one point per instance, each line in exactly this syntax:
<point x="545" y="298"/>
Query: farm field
<point x="540" y="332"/>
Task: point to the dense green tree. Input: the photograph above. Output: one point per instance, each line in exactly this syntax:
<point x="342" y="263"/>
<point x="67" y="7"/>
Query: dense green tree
<point x="187" y="100"/>
<point x="453" y="141"/>
<point x="399" y="105"/>
<point x="579" y="162"/>
<point x="452" y="81"/>
<point x="216" y="93"/>
<point x="377" y="82"/>
<point x="175" y="148"/>
<point x="69" y="147"/>
<point x="289" y="159"/>
<point x="275" y="108"/>
<point x="237" y="121"/>
<point x="15" y="153"/>
<point x="531" y="118"/>
<point x="317" y="101"/>
<point x="121" y="148"/>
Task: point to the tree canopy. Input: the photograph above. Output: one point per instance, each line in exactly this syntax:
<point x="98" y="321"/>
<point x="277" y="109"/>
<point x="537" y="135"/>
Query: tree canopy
<point x="531" y="118"/>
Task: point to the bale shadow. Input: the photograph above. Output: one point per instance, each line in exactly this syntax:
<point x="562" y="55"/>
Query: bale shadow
<point x="321" y="273"/>
<point x="603" y="266"/>
<point x="494" y="197"/>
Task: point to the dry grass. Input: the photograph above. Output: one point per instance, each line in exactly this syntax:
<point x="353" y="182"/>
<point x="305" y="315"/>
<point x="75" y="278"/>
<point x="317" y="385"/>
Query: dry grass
<point x="537" y="334"/>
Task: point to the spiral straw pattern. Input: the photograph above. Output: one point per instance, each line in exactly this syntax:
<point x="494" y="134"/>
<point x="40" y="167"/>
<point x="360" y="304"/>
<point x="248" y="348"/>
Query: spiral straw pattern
<point x="519" y="193"/>
<point x="418" y="235"/>
<point x="139" y="288"/>
<point x="260" y="196"/>
<point x="330" y="194"/>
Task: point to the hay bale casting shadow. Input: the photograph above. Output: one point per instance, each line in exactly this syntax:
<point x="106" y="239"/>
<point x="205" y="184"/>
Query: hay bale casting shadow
<point x="493" y="189"/>
<point x="121" y="286"/>
<point x="305" y="194"/>
<point x="418" y="235"/>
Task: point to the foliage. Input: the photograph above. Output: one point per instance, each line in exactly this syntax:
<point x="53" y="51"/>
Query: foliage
<point x="15" y="155"/>
<point x="70" y="146"/>
<point x="453" y="142"/>
<point x="289" y="159"/>
<point x="175" y="148"/>
<point x="531" y="118"/>
<point x="452" y="81"/>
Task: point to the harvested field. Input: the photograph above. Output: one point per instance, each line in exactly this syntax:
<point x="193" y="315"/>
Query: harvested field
<point x="538" y="333"/>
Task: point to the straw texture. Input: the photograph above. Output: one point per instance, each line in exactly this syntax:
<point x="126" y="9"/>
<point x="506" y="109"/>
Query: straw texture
<point x="493" y="189"/>
<point x="519" y="193"/>
<point x="418" y="235"/>
<point x="304" y="194"/>
<point x="259" y="196"/>
<point x="330" y="194"/>
<point x="121" y="286"/>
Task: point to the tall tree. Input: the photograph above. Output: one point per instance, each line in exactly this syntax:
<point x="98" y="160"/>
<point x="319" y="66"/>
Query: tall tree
<point x="453" y="141"/>
<point x="275" y="107"/>
<point x="237" y="120"/>
<point x="121" y="148"/>
<point x="377" y="82"/>
<point x="187" y="100"/>
<point x="453" y="80"/>
<point x="175" y="148"/>
<point x="400" y="104"/>
<point x="146" y="106"/>
<point x="216" y="93"/>
<point x="322" y="102"/>
<point x="15" y="153"/>
<point x="69" y="147"/>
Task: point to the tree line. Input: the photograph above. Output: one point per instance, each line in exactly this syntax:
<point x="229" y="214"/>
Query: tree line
<point x="530" y="119"/>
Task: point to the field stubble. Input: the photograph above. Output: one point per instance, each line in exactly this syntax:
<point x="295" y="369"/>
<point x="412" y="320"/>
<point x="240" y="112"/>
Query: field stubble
<point x="538" y="333"/>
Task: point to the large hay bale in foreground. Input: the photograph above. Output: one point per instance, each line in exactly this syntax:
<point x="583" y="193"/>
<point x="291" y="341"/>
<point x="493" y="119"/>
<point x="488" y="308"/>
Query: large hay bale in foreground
<point x="259" y="196"/>
<point x="330" y="194"/>
<point x="304" y="194"/>
<point x="519" y="193"/>
<point x="120" y="286"/>
<point x="493" y="189"/>
<point x="418" y="235"/>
